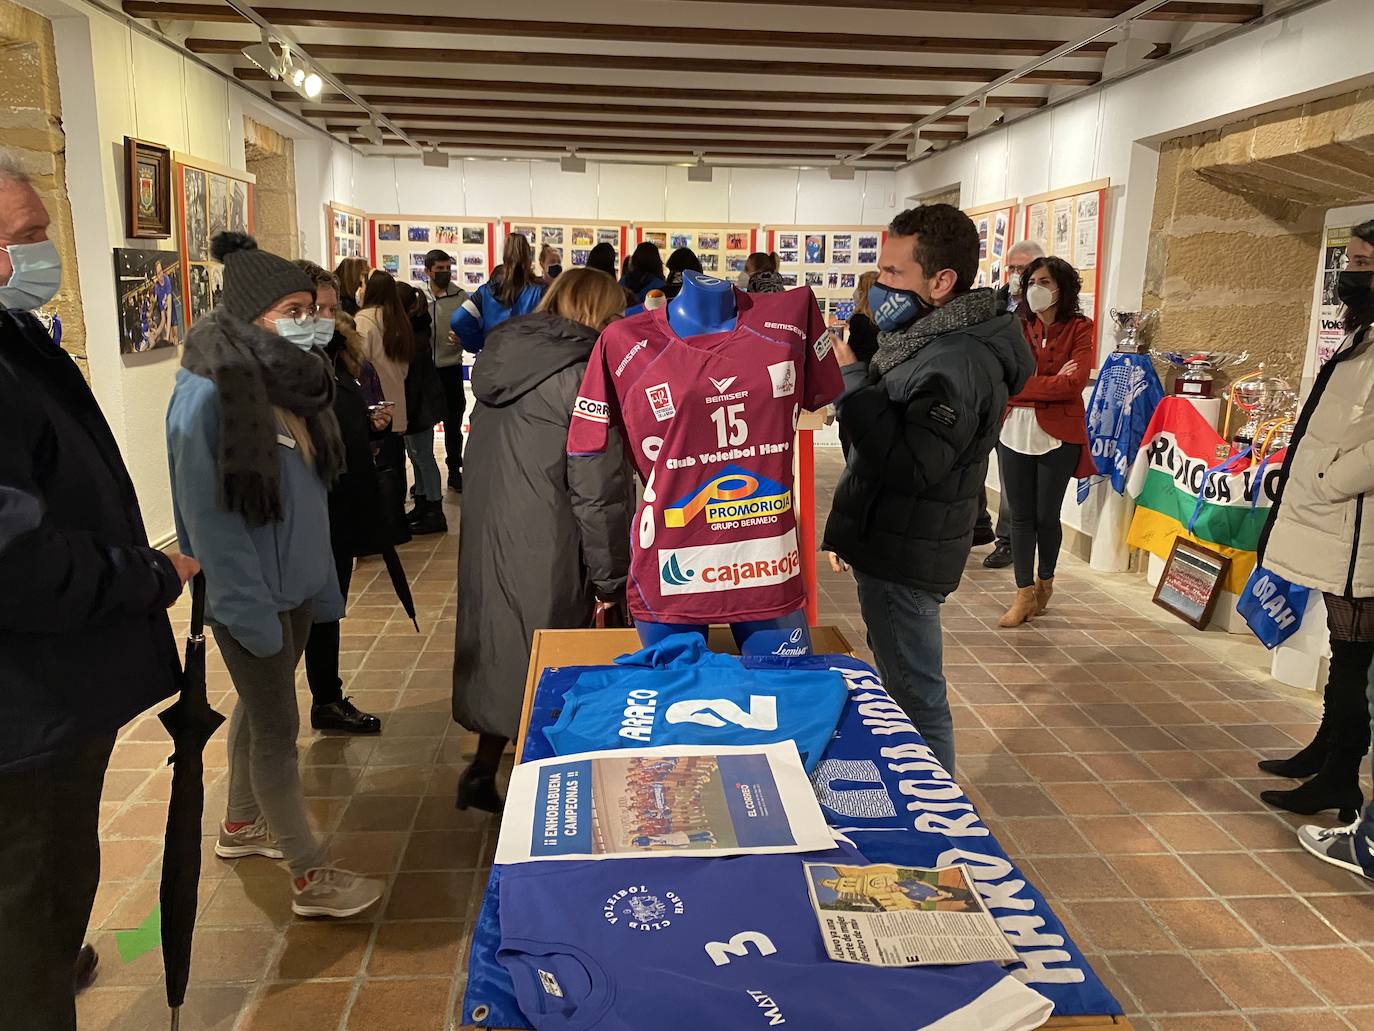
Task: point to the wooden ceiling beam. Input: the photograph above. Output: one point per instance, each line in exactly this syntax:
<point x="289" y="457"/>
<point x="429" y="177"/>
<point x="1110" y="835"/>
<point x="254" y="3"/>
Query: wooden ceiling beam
<point x="573" y="132"/>
<point x="480" y="138"/>
<point x="347" y="122"/>
<point x="1178" y="10"/>
<point x="623" y="91"/>
<point x="608" y="63"/>
<point x="391" y="21"/>
<point x="611" y="153"/>
<point x="388" y="105"/>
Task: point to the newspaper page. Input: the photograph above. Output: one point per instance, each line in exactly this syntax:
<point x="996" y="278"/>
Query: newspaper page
<point x="900" y="916"/>
<point x="687" y="800"/>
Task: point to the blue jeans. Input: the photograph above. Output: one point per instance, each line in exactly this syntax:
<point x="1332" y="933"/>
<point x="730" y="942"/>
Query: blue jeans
<point x="904" y="635"/>
<point x="420" y="448"/>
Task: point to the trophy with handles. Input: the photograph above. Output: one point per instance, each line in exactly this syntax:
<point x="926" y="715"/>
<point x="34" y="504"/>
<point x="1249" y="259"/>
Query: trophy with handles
<point x="1132" y="329"/>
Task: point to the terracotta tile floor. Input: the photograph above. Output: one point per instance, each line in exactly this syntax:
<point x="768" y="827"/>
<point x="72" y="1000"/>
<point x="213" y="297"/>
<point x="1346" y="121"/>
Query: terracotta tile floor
<point x="1111" y="749"/>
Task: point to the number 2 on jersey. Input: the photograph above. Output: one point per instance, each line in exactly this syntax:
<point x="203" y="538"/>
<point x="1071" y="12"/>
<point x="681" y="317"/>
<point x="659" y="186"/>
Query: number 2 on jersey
<point x="731" y="429"/>
<point x="762" y="713"/>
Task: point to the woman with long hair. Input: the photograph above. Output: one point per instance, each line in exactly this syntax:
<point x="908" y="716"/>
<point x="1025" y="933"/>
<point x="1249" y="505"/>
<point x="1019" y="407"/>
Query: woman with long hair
<point x="684" y="259"/>
<point x="389" y="345"/>
<point x="1318" y="535"/>
<point x="644" y="272"/>
<point x="760" y="275"/>
<point x="424" y="411"/>
<point x="544" y="537"/>
<point x="253" y="446"/>
<point x="602" y="258"/>
<point x="863" y="334"/>
<point x="352" y="276"/>
<point x="513" y="290"/>
<point x="1044" y="441"/>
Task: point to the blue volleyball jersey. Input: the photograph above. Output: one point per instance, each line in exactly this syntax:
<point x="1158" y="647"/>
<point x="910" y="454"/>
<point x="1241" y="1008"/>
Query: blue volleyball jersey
<point x="720" y="703"/>
<point x="686" y="944"/>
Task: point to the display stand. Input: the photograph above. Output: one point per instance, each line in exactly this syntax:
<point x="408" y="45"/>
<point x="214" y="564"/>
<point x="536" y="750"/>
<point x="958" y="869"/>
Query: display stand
<point x="722" y="247"/>
<point x="994" y="222"/>
<point x="399" y="244"/>
<point x="557" y="648"/>
<point x="841" y="254"/>
<point x="1068" y="224"/>
<point x="348" y="233"/>
<point x="573" y="238"/>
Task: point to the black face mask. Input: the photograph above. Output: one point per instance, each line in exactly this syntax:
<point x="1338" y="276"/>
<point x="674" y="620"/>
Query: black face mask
<point x="1354" y="289"/>
<point x="442" y="278"/>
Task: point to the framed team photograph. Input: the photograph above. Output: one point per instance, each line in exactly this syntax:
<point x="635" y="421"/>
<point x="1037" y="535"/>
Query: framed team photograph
<point x="477" y="235"/>
<point x="149" y="288"/>
<point x="736" y="241"/>
<point x="148" y="189"/>
<point x="1190" y="585"/>
<point x="708" y="241"/>
<point x="418" y="234"/>
<point x="388" y="231"/>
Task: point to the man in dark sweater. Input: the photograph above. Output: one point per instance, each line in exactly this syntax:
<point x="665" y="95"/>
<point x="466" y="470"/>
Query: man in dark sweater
<point x="922" y="418"/>
<point x="85" y="644"/>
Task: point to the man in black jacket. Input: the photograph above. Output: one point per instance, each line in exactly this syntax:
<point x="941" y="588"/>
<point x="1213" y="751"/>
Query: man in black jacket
<point x="85" y="643"/>
<point x="921" y="418"/>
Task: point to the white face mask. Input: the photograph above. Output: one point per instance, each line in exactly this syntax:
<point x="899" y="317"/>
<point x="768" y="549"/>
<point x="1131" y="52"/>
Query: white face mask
<point x="1040" y="298"/>
<point x="1014" y="284"/>
<point x="36" y="275"/>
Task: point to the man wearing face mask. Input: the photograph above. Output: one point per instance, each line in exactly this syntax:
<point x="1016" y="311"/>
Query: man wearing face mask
<point x="444" y="298"/>
<point x="85" y="643"/>
<point x="1019" y="257"/>
<point x="1321" y="534"/>
<point x="921" y="418"/>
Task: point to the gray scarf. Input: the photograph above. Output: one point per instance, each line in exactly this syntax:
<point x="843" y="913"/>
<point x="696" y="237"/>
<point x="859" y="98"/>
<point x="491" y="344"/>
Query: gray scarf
<point x="966" y="310"/>
<point x="256" y="370"/>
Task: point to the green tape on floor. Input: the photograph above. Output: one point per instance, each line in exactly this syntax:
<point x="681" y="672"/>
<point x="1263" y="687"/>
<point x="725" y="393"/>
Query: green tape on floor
<point x="143" y="939"/>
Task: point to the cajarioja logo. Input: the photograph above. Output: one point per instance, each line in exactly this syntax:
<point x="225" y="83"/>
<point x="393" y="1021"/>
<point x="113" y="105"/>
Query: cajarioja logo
<point x="734" y="497"/>
<point x="674" y="574"/>
<point x="729" y="567"/>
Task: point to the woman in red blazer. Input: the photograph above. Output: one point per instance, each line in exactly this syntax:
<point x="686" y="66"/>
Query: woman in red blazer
<point x="1044" y="440"/>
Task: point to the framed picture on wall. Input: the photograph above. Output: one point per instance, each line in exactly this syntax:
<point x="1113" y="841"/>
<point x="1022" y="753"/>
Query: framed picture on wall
<point x="149" y="287"/>
<point x="148" y="189"/>
<point x="1191" y="582"/>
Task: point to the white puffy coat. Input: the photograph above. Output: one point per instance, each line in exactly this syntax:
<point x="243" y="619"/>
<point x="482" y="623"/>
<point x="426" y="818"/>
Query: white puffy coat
<point x="1321" y="533"/>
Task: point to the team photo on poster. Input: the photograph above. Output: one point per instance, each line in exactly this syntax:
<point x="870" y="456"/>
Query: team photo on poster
<point x="148" y="285"/>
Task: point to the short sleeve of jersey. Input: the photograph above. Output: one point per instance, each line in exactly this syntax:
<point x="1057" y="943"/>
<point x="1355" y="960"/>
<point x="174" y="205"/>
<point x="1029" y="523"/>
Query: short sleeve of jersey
<point x="594" y="408"/>
<point x="823" y="382"/>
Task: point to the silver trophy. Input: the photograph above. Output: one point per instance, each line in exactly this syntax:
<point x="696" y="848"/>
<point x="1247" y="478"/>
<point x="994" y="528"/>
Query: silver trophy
<point x="1196" y="368"/>
<point x="1132" y="329"/>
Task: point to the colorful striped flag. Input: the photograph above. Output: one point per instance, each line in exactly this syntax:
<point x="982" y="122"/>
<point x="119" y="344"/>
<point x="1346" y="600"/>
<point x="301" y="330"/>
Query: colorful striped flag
<point x="1179" y="449"/>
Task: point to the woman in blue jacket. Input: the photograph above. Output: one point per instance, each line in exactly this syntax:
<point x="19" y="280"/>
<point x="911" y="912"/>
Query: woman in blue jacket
<point x="253" y="445"/>
<point x="645" y="271"/>
<point x="512" y="290"/>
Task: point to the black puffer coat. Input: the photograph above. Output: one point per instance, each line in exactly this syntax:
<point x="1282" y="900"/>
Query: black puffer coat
<point x="919" y="441"/>
<point x="85" y="644"/>
<point x="542" y="534"/>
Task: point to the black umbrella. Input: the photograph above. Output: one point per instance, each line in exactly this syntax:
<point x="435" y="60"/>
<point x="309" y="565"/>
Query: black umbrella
<point x="191" y="722"/>
<point x="399" y="584"/>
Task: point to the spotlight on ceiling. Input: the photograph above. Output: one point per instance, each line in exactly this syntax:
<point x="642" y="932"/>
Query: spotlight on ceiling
<point x="434" y="158"/>
<point x="984" y="118"/>
<point x="372" y="132"/>
<point x="313" y="85"/>
<point x="841" y="172"/>
<point x="701" y="172"/>
<point x="917" y="147"/>
<point x="570" y="162"/>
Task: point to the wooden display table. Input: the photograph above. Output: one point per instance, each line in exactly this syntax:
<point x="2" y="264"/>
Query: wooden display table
<point x="556" y="648"/>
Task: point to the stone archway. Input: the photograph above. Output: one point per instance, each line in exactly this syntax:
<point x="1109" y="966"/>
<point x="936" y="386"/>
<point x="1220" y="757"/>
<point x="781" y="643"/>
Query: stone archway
<point x="271" y="157"/>
<point x="1237" y="226"/>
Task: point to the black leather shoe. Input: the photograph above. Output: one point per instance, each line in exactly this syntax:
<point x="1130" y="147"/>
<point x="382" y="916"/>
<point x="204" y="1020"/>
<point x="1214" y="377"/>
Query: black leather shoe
<point x="344" y="715"/>
<point x="1000" y="557"/>
<point x="430" y="519"/>
<point x="86" y="962"/>
<point x="477" y="790"/>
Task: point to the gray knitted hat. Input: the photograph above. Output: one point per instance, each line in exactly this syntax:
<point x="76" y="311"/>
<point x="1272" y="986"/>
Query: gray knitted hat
<point x="254" y="280"/>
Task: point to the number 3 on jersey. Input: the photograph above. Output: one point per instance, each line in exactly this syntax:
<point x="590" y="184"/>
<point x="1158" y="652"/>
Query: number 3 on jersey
<point x="731" y="429"/>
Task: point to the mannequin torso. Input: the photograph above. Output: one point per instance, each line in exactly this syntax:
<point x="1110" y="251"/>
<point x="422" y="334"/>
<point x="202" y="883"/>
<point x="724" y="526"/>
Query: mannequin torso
<point x="705" y="305"/>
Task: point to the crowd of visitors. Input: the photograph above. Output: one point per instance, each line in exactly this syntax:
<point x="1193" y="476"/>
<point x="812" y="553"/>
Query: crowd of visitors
<point x="299" y="398"/>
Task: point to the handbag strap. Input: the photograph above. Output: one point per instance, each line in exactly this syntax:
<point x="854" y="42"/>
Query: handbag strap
<point x="197" y="631"/>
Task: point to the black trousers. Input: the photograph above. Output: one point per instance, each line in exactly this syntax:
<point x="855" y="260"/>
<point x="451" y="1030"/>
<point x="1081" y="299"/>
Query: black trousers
<point x="984" y="524"/>
<point x="322" y="647"/>
<point x="49" y="871"/>
<point x="455" y="405"/>
<point x="1034" y="488"/>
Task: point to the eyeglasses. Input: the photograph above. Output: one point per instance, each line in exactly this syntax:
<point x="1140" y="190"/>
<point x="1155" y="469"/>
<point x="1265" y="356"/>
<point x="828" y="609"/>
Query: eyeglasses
<point x="298" y="314"/>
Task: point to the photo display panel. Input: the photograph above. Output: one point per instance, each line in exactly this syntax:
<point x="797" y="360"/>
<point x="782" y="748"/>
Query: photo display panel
<point x="348" y="233"/>
<point x="722" y="247"/>
<point x="572" y="238"/>
<point x="1068" y="224"/>
<point x="211" y="199"/>
<point x="400" y="242"/>
<point x="829" y="259"/>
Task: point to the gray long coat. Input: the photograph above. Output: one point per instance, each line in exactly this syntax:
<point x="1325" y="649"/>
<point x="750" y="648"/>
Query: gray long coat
<point x="542" y="534"/>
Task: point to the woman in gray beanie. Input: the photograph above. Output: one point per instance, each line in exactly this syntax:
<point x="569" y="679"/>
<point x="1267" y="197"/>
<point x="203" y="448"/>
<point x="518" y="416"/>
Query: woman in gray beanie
<point x="253" y="446"/>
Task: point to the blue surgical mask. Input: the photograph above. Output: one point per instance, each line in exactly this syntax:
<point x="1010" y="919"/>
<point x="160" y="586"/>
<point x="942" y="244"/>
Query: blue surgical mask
<point x="37" y="275"/>
<point x="302" y="334"/>
<point x="324" y="332"/>
<point x="894" y="308"/>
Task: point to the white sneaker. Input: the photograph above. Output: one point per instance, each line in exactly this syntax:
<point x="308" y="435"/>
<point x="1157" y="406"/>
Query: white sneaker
<point x="1339" y="846"/>
<point x="336" y="893"/>
<point x="253" y="840"/>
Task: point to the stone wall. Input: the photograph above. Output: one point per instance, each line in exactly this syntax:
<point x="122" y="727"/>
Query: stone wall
<point x="31" y="129"/>
<point x="271" y="157"/>
<point x="1237" y="227"/>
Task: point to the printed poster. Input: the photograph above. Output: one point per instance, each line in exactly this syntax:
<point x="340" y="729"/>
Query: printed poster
<point x="1061" y="225"/>
<point x="903" y="916"/>
<point x="1038" y="220"/>
<point x="689" y="800"/>
<point x="1330" y="321"/>
<point x="1085" y="233"/>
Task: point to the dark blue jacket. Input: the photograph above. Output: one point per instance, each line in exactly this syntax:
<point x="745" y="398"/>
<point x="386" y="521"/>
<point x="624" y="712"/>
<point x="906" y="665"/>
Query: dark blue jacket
<point x="483" y="311"/>
<point x="85" y="643"/>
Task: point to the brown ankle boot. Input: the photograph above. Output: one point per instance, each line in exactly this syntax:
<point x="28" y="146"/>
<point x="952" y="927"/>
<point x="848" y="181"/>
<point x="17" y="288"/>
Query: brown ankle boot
<point x="1022" y="608"/>
<point x="1043" y="590"/>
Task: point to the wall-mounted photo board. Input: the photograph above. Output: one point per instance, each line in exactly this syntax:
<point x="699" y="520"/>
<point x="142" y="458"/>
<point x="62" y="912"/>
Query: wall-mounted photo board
<point x="400" y="242"/>
<point x="573" y="238"/>
<point x="721" y="247"/>
<point x="1068" y="223"/>
<point x="829" y="259"/>
<point x="210" y="200"/>
<point x="348" y="233"/>
<point x="996" y="225"/>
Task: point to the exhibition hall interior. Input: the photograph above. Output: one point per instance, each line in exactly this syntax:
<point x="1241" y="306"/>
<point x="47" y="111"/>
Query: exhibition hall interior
<point x="692" y="514"/>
